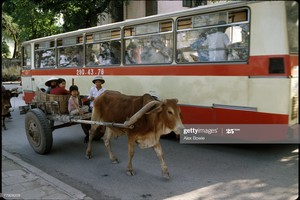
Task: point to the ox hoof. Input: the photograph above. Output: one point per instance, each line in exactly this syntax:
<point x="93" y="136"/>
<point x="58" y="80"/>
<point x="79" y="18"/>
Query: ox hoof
<point x="88" y="156"/>
<point x="130" y="172"/>
<point x="166" y="175"/>
<point x="115" y="161"/>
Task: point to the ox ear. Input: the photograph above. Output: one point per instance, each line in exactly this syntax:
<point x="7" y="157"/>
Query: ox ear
<point x="156" y="109"/>
<point x="176" y="100"/>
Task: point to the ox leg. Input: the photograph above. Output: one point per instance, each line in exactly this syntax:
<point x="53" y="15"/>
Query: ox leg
<point x="130" y="170"/>
<point x="3" y="123"/>
<point x="163" y="164"/>
<point x="91" y="137"/>
<point x="106" y="138"/>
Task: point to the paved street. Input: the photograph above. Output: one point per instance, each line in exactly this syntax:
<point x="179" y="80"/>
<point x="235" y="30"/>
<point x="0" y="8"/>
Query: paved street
<point x="205" y="172"/>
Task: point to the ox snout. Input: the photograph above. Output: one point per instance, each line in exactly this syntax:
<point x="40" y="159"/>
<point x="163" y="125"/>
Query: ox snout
<point x="179" y="128"/>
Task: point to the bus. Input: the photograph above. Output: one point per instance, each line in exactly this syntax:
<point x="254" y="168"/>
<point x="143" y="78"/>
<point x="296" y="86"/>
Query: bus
<point x="250" y="76"/>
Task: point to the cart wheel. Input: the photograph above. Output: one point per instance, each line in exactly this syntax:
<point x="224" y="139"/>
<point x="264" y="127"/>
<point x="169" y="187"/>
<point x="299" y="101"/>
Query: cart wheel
<point x="38" y="131"/>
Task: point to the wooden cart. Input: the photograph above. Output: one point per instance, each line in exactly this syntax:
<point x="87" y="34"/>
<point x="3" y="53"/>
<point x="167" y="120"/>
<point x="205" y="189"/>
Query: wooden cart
<point x="47" y="109"/>
<point x="42" y="115"/>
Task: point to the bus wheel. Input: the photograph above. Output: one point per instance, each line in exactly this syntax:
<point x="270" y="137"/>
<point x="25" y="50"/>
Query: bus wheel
<point x="38" y="131"/>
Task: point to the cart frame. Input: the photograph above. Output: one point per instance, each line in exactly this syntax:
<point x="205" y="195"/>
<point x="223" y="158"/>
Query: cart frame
<point x="41" y="115"/>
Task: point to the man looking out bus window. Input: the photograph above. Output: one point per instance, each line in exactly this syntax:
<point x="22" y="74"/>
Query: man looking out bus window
<point x="198" y="45"/>
<point x="217" y="44"/>
<point x="96" y="90"/>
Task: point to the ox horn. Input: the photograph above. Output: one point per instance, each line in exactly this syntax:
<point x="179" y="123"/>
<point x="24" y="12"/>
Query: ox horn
<point x="140" y="113"/>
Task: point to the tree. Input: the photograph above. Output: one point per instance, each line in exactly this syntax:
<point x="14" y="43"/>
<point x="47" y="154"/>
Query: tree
<point x="78" y="14"/>
<point x="33" y="22"/>
<point x="5" y="49"/>
<point x="10" y="30"/>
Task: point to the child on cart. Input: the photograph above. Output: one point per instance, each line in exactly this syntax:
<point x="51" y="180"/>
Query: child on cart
<point x="73" y="104"/>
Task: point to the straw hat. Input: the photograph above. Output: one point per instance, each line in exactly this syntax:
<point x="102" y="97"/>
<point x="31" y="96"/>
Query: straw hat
<point x="48" y="82"/>
<point x="98" y="78"/>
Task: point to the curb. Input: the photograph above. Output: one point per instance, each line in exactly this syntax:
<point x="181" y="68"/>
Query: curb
<point x="73" y="192"/>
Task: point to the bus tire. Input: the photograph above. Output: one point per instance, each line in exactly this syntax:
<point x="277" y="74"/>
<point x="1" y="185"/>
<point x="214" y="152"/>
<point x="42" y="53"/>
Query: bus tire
<point x="38" y="131"/>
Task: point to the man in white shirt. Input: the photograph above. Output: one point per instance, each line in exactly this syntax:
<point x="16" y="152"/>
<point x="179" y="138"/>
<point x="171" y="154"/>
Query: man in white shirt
<point x="96" y="90"/>
<point x="217" y="44"/>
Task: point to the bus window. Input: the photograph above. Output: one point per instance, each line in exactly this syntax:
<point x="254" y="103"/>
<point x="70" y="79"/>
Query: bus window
<point x="214" y="37"/>
<point x="26" y="57"/>
<point x="149" y="43"/>
<point x="70" y="52"/>
<point x="103" y="48"/>
<point x="44" y="55"/>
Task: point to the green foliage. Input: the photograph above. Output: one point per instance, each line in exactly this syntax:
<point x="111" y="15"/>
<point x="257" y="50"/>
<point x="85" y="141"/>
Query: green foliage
<point x="5" y="49"/>
<point x="33" y="22"/>
<point x="9" y="30"/>
<point x="11" y="72"/>
<point x="78" y="14"/>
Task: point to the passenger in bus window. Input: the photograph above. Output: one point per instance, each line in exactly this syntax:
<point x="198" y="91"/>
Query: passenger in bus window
<point x="60" y="88"/>
<point x="115" y="52"/>
<point x="155" y="52"/>
<point x="51" y="83"/>
<point x="77" y="59"/>
<point x="217" y="43"/>
<point x="201" y="50"/>
<point x="74" y="107"/>
<point x="106" y="53"/>
<point x="64" y="60"/>
<point x="132" y="54"/>
<point x="92" y="60"/>
<point x="161" y="54"/>
<point x="96" y="90"/>
<point x="100" y="57"/>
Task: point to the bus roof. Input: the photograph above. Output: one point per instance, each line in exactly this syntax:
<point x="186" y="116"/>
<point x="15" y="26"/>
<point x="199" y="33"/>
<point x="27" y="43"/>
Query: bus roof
<point x="128" y="22"/>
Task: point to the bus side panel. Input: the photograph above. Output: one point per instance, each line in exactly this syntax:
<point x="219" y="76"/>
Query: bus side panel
<point x="27" y="86"/>
<point x="206" y="115"/>
<point x="202" y="116"/>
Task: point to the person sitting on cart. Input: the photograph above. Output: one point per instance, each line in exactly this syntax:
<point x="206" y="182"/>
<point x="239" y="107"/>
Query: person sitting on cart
<point x="74" y="107"/>
<point x="96" y="90"/>
<point x="51" y="83"/>
<point x="60" y="88"/>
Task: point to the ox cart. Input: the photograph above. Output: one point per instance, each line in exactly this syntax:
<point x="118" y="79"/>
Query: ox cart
<point x="48" y="112"/>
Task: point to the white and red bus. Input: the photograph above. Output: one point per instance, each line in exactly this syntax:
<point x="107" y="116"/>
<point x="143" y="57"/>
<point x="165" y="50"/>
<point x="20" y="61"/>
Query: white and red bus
<point x="256" y="82"/>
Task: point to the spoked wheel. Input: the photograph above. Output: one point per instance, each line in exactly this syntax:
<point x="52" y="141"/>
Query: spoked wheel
<point x="38" y="131"/>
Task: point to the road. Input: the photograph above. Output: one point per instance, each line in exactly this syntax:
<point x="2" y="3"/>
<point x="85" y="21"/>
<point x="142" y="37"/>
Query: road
<point x="205" y="172"/>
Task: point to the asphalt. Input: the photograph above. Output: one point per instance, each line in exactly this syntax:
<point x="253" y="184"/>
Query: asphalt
<point x="20" y="180"/>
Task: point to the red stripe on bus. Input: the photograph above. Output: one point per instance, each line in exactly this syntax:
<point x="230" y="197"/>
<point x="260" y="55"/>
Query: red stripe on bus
<point x="256" y="66"/>
<point x="210" y="115"/>
<point x="203" y="116"/>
